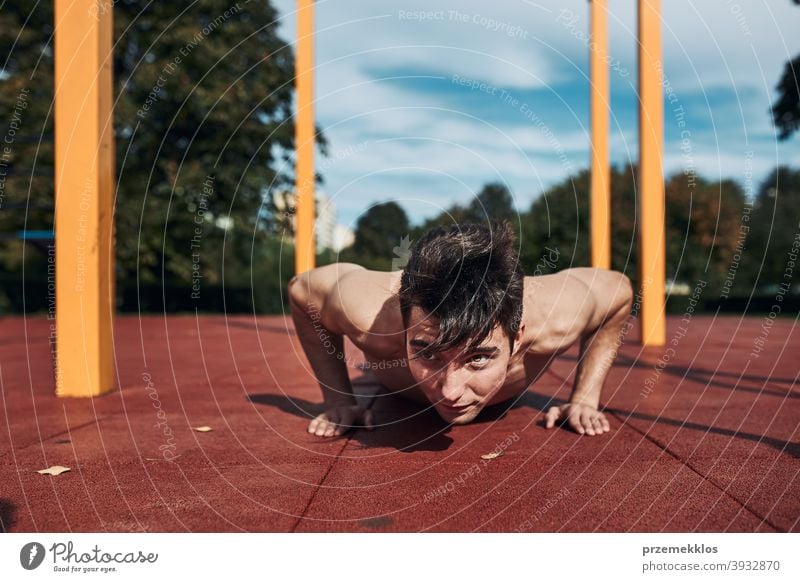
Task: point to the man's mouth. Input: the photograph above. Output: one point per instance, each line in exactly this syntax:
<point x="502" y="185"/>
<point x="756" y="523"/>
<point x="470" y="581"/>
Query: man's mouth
<point x="460" y="408"/>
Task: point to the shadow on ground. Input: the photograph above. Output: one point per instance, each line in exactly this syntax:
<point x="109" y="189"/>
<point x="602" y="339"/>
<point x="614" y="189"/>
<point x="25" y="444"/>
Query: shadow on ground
<point x="8" y="512"/>
<point x="402" y="424"/>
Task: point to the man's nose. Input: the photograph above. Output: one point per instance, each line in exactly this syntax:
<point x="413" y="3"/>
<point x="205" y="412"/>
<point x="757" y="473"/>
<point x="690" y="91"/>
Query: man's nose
<point x="452" y="386"/>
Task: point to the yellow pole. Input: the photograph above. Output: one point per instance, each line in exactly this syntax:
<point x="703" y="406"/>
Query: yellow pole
<point x="601" y="173"/>
<point x="304" y="138"/>
<point x="84" y="193"/>
<point x="652" y="263"/>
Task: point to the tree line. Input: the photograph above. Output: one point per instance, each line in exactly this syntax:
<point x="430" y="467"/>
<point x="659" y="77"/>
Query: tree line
<point x="735" y="244"/>
<point x="204" y="140"/>
<point x="204" y="134"/>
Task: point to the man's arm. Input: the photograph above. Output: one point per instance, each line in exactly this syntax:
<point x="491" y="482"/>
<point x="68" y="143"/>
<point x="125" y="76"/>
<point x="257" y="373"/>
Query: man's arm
<point x="313" y="298"/>
<point x="611" y="296"/>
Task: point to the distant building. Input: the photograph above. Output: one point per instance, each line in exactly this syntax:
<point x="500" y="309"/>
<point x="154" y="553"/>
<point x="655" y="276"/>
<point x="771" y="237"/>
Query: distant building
<point x="325" y="222"/>
<point x="224" y="222"/>
<point x="327" y="233"/>
<point x="343" y="237"/>
<point x="673" y="287"/>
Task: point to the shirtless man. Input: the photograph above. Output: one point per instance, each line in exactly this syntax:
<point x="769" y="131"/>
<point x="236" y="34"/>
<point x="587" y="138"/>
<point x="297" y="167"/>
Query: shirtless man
<point x="459" y="328"/>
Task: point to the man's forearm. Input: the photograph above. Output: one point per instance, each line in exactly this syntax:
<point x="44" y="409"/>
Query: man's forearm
<point x="325" y="352"/>
<point x="598" y="351"/>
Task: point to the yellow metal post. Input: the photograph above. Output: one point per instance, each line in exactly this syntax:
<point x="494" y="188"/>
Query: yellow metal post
<point x="601" y="173"/>
<point x="305" y="249"/>
<point x="652" y="256"/>
<point x="84" y="194"/>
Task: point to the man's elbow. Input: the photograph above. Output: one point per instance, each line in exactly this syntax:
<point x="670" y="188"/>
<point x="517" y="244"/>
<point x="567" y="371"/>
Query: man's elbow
<point x="616" y="296"/>
<point x="625" y="293"/>
<point x="298" y="290"/>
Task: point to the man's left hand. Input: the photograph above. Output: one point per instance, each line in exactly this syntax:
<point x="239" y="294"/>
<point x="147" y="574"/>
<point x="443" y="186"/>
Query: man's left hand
<point x="581" y="418"/>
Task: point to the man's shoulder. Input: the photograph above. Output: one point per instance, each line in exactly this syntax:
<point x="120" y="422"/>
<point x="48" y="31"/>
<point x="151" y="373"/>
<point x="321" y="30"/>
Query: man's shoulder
<point x="558" y="308"/>
<point x="568" y="285"/>
<point x="562" y="306"/>
<point x="365" y="307"/>
<point x="365" y="287"/>
<point x="575" y="283"/>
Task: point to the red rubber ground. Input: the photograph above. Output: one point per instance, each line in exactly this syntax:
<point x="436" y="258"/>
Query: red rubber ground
<point x="711" y="446"/>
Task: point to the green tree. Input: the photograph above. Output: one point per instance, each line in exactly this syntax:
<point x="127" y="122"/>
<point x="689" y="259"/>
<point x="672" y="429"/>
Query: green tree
<point x="557" y="220"/>
<point x="455" y="214"/>
<point x="786" y="110"/>
<point x="494" y="201"/>
<point x="774" y="224"/>
<point x="379" y="232"/>
<point x="203" y="125"/>
<point x="624" y="243"/>
<point x="703" y="220"/>
<point x="26" y="150"/>
<point x="701" y="223"/>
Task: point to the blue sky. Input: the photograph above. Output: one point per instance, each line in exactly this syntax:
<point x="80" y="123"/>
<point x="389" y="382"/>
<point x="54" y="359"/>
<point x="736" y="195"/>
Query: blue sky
<point x="424" y="102"/>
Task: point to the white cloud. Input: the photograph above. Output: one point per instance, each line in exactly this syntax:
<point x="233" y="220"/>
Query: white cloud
<point x="709" y="47"/>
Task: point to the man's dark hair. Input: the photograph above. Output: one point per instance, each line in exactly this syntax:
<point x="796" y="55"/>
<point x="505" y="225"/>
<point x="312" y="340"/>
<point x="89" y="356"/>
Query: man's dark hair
<point x="469" y="277"/>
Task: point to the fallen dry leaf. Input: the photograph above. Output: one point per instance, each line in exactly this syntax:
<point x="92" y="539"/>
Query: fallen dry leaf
<point x="54" y="470"/>
<point x="202" y="428"/>
<point x="492" y="455"/>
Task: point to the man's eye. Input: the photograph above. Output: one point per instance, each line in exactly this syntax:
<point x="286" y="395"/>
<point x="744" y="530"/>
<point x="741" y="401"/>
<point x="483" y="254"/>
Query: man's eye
<point x="426" y="356"/>
<point x="479" y="359"/>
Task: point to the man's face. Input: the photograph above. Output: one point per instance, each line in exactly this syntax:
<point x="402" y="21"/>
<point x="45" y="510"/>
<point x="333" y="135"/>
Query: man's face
<point x="459" y="383"/>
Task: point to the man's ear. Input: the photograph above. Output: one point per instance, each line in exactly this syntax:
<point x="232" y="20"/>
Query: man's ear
<point x="518" y="338"/>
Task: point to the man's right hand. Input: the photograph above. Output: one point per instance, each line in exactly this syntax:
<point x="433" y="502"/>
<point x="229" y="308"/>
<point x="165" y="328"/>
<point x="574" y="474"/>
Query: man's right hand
<point x="339" y="419"/>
